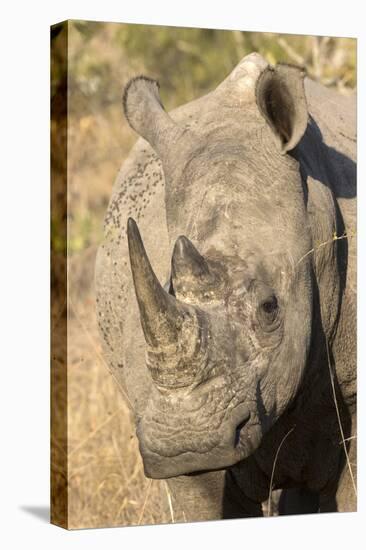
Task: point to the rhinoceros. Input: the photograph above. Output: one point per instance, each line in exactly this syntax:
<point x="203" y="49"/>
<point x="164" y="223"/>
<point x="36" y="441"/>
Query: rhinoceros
<point x="226" y="291"/>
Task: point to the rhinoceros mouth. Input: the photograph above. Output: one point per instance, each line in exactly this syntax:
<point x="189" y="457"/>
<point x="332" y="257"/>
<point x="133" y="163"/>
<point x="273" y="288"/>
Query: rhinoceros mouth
<point x="162" y="463"/>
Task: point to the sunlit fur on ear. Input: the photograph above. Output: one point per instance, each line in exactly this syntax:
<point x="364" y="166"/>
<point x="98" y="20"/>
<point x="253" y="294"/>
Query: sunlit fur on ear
<point x="141" y="104"/>
<point x="146" y="115"/>
<point x="138" y="91"/>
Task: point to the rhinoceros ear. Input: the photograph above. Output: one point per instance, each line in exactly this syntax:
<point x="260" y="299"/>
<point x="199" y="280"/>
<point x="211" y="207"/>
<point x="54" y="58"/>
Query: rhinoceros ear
<point x="280" y="96"/>
<point x="146" y="115"/>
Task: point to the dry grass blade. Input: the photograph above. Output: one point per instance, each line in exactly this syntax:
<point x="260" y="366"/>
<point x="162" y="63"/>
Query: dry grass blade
<point x="273" y="470"/>
<point x="347" y="439"/>
<point x="122" y="507"/>
<point x="145" y="502"/>
<point x="343" y="440"/>
<point x="330" y="241"/>
<point x="169" y="502"/>
<point x="119" y="457"/>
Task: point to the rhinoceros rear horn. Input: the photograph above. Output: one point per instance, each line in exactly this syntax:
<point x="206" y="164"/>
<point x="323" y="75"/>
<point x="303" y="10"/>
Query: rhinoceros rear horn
<point x="190" y="271"/>
<point x="187" y="261"/>
<point x="146" y="115"/>
<point x="280" y="96"/>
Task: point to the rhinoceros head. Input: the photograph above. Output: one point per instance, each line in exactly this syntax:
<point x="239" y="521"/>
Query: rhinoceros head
<point x="228" y="338"/>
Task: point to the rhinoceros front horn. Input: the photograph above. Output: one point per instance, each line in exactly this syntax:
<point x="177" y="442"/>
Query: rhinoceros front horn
<point x="160" y="313"/>
<point x="171" y="328"/>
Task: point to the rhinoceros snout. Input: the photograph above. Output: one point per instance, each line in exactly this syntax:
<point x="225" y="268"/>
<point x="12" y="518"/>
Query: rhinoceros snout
<point x="169" y="451"/>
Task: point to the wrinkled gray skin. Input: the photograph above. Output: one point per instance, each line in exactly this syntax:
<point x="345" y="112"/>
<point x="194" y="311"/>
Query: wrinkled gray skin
<point x="238" y="196"/>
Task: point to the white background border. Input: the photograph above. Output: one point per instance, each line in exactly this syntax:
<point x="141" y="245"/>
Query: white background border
<point x="24" y="126"/>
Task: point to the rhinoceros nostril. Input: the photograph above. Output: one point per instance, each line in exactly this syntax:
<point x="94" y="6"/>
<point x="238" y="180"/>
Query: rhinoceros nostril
<point x="168" y="287"/>
<point x="238" y="430"/>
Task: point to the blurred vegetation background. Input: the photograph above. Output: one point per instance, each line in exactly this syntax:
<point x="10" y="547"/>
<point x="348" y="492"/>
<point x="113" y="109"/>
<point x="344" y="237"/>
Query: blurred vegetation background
<point x="104" y="477"/>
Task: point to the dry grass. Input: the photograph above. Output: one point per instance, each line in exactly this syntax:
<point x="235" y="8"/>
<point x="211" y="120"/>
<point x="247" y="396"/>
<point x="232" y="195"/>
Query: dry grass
<point x="106" y="483"/>
<point x="105" y="480"/>
<point x="343" y="440"/>
<point x="270" y="495"/>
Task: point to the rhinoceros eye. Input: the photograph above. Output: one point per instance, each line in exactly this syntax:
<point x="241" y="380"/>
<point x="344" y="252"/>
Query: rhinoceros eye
<point x="268" y="313"/>
<point x="270" y="306"/>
